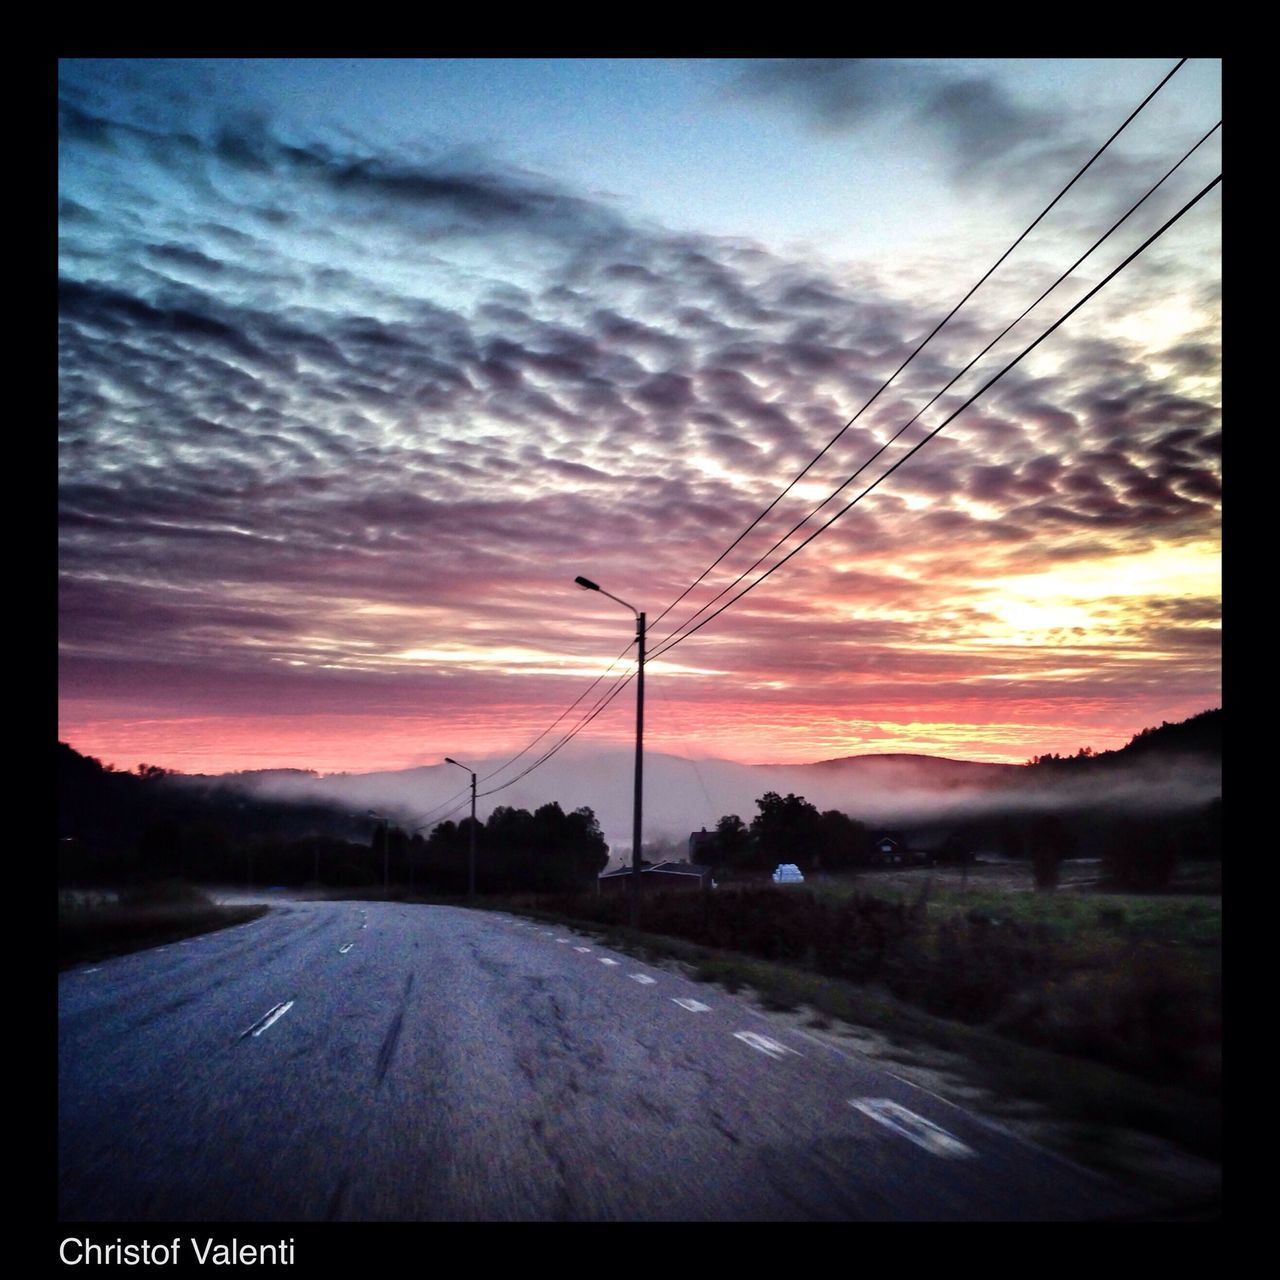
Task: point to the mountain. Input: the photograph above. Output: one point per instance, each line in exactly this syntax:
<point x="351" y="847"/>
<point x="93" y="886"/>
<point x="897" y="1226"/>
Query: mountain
<point x="683" y="795"/>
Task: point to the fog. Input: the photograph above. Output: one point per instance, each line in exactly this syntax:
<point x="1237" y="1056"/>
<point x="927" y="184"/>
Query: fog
<point x="683" y="795"/>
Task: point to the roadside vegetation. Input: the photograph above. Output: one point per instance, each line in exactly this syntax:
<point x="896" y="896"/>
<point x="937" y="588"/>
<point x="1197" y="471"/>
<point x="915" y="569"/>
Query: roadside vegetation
<point x="1102" y="1008"/>
<point x="98" y="925"/>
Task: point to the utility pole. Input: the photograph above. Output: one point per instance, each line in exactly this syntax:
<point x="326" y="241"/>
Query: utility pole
<point x="587" y="585"/>
<point x="471" y="854"/>
<point x="639" y="788"/>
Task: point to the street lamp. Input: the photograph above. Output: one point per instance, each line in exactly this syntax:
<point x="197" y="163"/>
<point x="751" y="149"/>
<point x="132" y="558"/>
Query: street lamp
<point x="471" y="855"/>
<point x="588" y="585"/>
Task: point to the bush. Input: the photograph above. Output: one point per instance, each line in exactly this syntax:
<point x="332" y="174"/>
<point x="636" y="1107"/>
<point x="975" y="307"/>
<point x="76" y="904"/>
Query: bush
<point x="165" y="893"/>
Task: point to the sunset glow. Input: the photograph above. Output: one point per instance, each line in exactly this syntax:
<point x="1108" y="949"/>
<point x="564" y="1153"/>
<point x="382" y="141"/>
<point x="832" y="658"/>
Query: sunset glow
<point x="362" y="363"/>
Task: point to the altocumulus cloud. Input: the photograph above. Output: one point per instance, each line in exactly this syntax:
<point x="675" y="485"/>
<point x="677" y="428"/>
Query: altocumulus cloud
<point x="322" y="404"/>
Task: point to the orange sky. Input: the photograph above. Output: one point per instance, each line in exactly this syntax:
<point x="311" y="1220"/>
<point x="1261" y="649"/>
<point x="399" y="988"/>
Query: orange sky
<point x="344" y="412"/>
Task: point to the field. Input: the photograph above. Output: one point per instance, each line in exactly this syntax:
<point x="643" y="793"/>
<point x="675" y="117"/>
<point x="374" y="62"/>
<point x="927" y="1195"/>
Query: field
<point x="1189" y="915"/>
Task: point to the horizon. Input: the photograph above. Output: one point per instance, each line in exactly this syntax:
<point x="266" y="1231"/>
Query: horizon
<point x="684" y="795"/>
<point x="624" y="751"/>
<point x="362" y="361"/>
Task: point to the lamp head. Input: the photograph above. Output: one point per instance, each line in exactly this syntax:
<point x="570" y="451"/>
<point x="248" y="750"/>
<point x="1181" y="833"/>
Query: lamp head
<point x="586" y="584"/>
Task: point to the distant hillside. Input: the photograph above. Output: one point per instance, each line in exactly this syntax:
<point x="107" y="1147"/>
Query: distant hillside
<point x="1198" y="737"/>
<point x="1169" y="767"/>
<point x="910" y="770"/>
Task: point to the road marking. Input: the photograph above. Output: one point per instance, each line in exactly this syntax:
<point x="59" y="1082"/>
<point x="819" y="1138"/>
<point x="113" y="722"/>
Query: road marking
<point x="342" y="951"/>
<point x="564" y="939"/>
<point x="584" y="950"/>
<point x="642" y="978"/>
<point x="94" y="970"/>
<point x="765" y="1045"/>
<point x="606" y="960"/>
<point x="267" y="1019"/>
<point x="694" y="1006"/>
<point x="924" y="1133"/>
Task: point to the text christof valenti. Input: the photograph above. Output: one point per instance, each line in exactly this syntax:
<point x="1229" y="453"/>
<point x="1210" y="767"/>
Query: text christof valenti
<point x="75" y="1251"/>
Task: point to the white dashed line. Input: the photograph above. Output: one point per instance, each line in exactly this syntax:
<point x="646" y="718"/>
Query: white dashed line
<point x="584" y="950"/>
<point x="694" y="1006"/>
<point x="642" y="978"/>
<point x="342" y="951"/>
<point x="924" y="1133"/>
<point x="267" y="1019"/>
<point x="564" y="939"/>
<point x="765" y="1045"/>
<point x="606" y="960"/>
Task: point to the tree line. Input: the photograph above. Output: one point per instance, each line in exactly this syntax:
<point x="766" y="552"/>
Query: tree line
<point x="1137" y="851"/>
<point x="117" y="826"/>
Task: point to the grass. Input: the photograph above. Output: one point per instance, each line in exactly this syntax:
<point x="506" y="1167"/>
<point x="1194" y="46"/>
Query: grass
<point x="95" y="927"/>
<point x="1076" y="911"/>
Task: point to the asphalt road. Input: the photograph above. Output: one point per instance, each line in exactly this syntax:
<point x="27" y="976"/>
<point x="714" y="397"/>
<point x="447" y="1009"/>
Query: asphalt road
<point x="367" y="1062"/>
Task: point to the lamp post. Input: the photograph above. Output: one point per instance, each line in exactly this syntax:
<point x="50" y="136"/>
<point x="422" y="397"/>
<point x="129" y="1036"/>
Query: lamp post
<point x="471" y="853"/>
<point x="587" y="585"/>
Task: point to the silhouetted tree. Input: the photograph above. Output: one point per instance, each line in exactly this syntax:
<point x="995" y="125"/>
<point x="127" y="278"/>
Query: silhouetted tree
<point x="1141" y="853"/>
<point x="785" y="830"/>
<point x="840" y="841"/>
<point x="732" y="846"/>
<point x="1050" y="844"/>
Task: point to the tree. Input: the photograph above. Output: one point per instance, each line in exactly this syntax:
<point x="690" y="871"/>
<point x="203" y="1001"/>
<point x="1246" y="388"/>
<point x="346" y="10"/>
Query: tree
<point x="1141" y="853"/>
<point x="732" y="844"/>
<point x="785" y="830"/>
<point x="841" y="841"/>
<point x="1050" y="843"/>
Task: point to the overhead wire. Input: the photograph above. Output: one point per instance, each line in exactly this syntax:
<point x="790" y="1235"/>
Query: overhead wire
<point x="1115" y="226"/>
<point x="673" y="638"/>
<point x="494" y="772"/>
<point x="924" y="342"/>
<point x="421" y="821"/>
<point x="666" y="647"/>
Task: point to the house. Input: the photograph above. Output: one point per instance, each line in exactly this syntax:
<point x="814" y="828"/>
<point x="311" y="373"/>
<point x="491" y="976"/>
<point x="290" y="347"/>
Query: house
<point x="788" y="873"/>
<point x="895" y="850"/>
<point x="888" y="851"/>
<point x="701" y="843"/>
<point x="657" y="877"/>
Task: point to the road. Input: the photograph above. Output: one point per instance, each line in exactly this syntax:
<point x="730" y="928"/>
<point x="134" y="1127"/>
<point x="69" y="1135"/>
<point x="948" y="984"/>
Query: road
<point x="379" y="1061"/>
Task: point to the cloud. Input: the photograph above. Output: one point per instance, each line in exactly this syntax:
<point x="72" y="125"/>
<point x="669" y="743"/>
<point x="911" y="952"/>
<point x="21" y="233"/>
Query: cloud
<point x="295" y="447"/>
<point x="970" y="120"/>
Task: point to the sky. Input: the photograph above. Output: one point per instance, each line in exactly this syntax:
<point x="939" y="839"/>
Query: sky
<point x="361" y="363"/>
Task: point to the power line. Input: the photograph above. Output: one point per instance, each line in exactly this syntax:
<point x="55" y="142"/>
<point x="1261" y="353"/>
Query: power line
<point x="923" y="343"/>
<point x="457" y="808"/>
<point x="666" y="646"/>
<point x="950" y="417"/>
<point x="494" y="772"/>
<point x="1115" y="226"/>
<point x="422" y="821"/>
<point x="669" y="642"/>
<point x="619" y="684"/>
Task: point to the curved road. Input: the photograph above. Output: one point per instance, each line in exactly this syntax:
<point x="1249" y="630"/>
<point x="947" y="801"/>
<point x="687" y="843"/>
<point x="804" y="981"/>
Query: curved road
<point x="381" y="1061"/>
